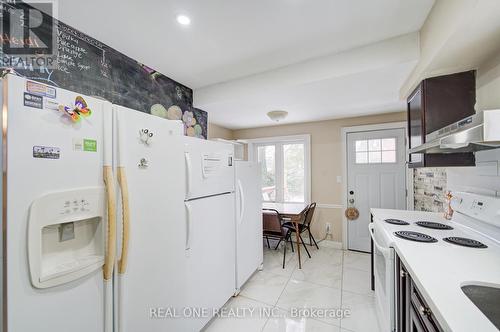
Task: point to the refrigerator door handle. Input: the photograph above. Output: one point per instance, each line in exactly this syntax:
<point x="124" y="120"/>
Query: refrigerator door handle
<point x="122" y="181"/>
<point x="109" y="260"/>
<point x="188" y="226"/>
<point x="187" y="158"/>
<point x="242" y="201"/>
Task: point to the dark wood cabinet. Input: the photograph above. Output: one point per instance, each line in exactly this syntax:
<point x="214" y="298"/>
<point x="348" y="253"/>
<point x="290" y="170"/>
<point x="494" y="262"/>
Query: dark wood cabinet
<point x="434" y="104"/>
<point x="412" y="312"/>
<point x="403" y="287"/>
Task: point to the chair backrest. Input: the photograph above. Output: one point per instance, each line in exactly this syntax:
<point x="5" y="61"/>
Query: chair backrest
<point x="271" y="221"/>
<point x="309" y="214"/>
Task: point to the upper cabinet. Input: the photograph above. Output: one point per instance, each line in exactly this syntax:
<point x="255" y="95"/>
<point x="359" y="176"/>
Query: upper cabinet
<point x="434" y="104"/>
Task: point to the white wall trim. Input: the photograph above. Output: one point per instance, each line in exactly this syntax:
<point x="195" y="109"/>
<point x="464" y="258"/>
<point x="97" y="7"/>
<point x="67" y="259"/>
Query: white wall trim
<point x="306" y="138"/>
<point x="329" y="206"/>
<point x="330" y="244"/>
<point x="355" y="129"/>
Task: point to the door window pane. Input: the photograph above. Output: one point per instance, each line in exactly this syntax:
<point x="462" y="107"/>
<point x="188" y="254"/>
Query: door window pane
<point x="293" y="172"/>
<point x="361" y="145"/>
<point x="377" y="151"/>
<point x="361" y="157"/>
<point x="266" y="158"/>
<point x="388" y="144"/>
<point x="374" y="157"/>
<point x="388" y="156"/>
<point x="374" y="145"/>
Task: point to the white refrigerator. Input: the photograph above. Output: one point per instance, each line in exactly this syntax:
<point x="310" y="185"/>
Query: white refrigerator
<point x="108" y="219"/>
<point x="249" y="249"/>
<point x="58" y="191"/>
<point x="209" y="242"/>
<point x="151" y="264"/>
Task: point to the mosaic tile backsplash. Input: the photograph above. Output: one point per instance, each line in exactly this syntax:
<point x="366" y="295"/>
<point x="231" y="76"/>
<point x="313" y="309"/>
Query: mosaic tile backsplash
<point x="429" y="189"/>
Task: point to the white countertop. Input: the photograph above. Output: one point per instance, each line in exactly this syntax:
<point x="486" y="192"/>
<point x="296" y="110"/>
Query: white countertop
<point x="440" y="269"/>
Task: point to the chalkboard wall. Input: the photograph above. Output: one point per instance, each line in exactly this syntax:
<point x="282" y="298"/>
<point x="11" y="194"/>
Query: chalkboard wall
<point x="85" y="65"/>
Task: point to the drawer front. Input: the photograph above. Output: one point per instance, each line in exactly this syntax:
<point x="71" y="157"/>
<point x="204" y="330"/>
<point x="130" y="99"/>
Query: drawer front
<point x="421" y="309"/>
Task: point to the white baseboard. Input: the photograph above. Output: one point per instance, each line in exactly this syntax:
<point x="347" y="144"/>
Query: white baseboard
<point x="330" y="244"/>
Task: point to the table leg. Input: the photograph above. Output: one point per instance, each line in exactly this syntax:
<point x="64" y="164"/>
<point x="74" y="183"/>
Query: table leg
<point x="297" y="236"/>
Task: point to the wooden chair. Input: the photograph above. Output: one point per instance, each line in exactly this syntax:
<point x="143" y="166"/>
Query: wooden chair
<point x="272" y="225"/>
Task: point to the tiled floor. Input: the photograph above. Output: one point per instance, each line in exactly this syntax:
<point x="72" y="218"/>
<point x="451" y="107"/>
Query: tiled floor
<point x="331" y="279"/>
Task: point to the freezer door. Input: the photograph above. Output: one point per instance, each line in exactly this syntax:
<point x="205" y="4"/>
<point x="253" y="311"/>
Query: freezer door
<point x="50" y="155"/>
<point x="151" y="271"/>
<point x="249" y="249"/>
<point x="209" y="167"/>
<point x="210" y="248"/>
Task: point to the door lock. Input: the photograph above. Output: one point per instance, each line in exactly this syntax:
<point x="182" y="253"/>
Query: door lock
<point x="143" y="163"/>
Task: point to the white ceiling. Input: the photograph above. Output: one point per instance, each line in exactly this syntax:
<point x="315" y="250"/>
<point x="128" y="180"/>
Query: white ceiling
<point x="233" y="39"/>
<point x="362" y="81"/>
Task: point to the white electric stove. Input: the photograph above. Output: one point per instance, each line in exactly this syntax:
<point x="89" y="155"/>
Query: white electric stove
<point x="442" y="256"/>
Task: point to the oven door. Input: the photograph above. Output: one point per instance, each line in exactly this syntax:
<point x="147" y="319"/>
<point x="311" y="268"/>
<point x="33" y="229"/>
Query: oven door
<point x="383" y="269"/>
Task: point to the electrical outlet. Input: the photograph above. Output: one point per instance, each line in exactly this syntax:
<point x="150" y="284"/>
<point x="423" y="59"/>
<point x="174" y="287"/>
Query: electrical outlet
<point x="328" y="228"/>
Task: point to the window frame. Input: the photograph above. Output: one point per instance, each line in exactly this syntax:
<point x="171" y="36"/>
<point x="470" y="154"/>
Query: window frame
<point x="278" y="142"/>
<point x="381" y="151"/>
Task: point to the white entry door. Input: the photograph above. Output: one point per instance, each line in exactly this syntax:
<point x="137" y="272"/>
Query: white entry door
<point x="376" y="168"/>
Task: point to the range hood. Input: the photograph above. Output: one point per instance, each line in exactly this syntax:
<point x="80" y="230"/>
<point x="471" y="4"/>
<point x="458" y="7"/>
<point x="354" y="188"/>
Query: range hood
<point x="477" y="132"/>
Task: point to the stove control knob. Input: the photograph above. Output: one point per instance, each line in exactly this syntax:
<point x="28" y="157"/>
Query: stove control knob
<point x="424" y="311"/>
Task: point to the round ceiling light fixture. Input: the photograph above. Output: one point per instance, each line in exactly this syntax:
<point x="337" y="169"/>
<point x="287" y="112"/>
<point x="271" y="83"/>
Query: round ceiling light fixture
<point x="183" y="20"/>
<point x="277" y="115"/>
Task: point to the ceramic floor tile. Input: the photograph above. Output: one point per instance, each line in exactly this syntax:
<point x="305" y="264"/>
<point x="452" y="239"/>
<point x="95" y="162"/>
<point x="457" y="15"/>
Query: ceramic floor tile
<point x="265" y="287"/>
<point x="240" y="314"/>
<point x="273" y="262"/>
<point x="303" y="294"/>
<point x="323" y="256"/>
<point x="322" y="274"/>
<point x="357" y="281"/>
<point x="362" y="317"/>
<point x="291" y="324"/>
<point x="356" y="260"/>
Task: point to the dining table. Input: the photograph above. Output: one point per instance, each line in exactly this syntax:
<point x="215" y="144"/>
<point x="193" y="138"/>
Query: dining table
<point x="292" y="211"/>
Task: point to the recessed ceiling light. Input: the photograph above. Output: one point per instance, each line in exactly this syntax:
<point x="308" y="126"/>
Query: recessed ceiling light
<point x="183" y="19"/>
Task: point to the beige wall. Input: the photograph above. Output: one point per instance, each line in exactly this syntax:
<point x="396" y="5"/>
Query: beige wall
<point x="488" y="85"/>
<point x="215" y="131"/>
<point x="326" y="161"/>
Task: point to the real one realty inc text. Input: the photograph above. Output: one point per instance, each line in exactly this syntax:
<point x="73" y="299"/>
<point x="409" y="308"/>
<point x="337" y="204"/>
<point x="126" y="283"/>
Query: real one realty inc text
<point x="246" y="312"/>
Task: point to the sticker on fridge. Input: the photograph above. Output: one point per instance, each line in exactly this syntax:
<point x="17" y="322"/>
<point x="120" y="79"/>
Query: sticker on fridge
<point x="32" y="100"/>
<point x="46" y="152"/>
<point x="211" y="163"/>
<point x="89" y="145"/>
<point x="40" y="89"/>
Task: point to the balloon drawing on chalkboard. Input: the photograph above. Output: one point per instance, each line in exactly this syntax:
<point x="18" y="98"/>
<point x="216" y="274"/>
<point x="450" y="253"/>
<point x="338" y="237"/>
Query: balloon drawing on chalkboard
<point x="174" y="113"/>
<point x="80" y="109"/>
<point x="159" y="110"/>
<point x="191" y="126"/>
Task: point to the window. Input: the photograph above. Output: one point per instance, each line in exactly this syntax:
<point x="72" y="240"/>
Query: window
<point x="376" y="151"/>
<point x="284" y="165"/>
<point x="266" y="157"/>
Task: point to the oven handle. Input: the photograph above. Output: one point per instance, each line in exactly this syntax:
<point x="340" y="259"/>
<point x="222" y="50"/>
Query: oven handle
<point x="385" y="251"/>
